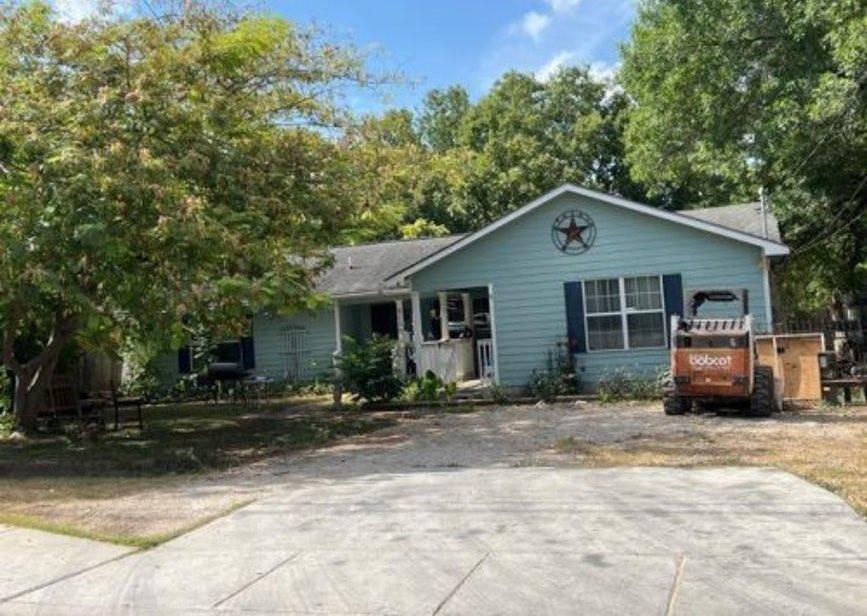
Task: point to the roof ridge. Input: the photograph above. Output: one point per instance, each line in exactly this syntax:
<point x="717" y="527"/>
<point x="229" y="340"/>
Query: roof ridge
<point x="686" y="210"/>
<point x="404" y="240"/>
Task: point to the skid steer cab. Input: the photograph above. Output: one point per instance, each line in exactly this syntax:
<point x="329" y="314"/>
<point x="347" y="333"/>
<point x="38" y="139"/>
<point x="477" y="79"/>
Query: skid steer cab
<point x="713" y="360"/>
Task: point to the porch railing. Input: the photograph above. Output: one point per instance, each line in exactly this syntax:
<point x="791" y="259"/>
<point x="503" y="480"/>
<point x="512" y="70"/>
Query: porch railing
<point x="451" y="360"/>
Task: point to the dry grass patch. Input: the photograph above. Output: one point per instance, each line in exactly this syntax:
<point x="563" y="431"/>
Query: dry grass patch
<point x="827" y="447"/>
<point x="142" y="488"/>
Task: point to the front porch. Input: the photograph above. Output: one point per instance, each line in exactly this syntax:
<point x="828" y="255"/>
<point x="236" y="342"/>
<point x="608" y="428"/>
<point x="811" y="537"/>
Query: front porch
<point x="450" y="333"/>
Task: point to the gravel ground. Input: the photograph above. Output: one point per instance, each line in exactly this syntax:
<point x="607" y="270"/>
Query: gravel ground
<point x="483" y="438"/>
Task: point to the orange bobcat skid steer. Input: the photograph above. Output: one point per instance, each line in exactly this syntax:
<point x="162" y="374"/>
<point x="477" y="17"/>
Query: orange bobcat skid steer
<point x="714" y="361"/>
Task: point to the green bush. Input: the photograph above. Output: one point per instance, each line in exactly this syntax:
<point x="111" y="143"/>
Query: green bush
<point x="559" y="378"/>
<point x="499" y="393"/>
<point x="428" y="388"/>
<point x="367" y="369"/>
<point x="5" y="392"/>
<point x="620" y="384"/>
<point x="7" y="423"/>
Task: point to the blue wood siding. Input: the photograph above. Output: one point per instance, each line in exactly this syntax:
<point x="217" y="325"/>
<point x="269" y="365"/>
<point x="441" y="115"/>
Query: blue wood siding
<point x="269" y="345"/>
<point x="527" y="274"/>
<point x="319" y="342"/>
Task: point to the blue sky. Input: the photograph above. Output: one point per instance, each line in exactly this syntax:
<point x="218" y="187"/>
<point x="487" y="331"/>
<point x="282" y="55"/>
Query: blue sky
<point x="436" y="43"/>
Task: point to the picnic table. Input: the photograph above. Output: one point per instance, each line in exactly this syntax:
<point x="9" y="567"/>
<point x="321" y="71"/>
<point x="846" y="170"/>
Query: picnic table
<point x="831" y="386"/>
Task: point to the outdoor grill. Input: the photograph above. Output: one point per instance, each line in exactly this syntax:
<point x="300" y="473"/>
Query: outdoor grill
<point x="223" y="371"/>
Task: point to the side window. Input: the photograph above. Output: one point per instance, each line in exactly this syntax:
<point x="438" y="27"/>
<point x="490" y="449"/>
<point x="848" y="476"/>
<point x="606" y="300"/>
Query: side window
<point x="603" y="313"/>
<point x="624" y="313"/>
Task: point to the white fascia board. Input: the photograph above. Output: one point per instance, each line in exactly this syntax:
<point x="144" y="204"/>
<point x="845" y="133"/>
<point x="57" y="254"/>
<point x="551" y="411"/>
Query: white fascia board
<point x="769" y="247"/>
<point x="383" y="293"/>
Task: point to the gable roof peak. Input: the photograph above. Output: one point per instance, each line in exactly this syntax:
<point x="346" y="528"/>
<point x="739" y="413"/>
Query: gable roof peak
<point x="769" y="247"/>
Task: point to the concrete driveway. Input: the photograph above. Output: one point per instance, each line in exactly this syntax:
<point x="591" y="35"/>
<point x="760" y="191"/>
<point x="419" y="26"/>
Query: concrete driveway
<point x="477" y="541"/>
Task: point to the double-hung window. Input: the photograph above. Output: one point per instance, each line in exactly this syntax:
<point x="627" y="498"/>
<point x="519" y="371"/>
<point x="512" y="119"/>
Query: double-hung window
<point x="624" y="313"/>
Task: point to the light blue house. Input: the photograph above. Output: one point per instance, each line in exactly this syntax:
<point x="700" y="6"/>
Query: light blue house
<point x="587" y="271"/>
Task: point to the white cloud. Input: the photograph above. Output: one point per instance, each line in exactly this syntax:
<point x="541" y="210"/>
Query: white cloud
<point x="563" y="6"/>
<point x="600" y="25"/>
<point x="76" y="10"/>
<point x="604" y="71"/>
<point x="73" y="11"/>
<point x="550" y="68"/>
<point x="533" y="24"/>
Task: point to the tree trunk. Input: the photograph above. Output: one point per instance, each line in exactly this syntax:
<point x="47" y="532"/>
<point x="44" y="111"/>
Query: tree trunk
<point x="30" y="398"/>
<point x="33" y="378"/>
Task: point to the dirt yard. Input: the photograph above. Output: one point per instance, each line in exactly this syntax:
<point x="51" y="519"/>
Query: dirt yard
<point x="828" y="447"/>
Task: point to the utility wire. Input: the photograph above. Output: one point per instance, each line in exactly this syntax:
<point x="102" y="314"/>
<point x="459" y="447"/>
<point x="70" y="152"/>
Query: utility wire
<point x="827" y="134"/>
<point x="831" y="231"/>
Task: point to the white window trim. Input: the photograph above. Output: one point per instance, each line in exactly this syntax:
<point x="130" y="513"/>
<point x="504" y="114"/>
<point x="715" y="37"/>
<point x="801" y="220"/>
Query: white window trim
<point x="624" y="313"/>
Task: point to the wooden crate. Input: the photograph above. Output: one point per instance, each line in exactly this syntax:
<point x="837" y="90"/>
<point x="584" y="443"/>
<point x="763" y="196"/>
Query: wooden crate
<point x="794" y="359"/>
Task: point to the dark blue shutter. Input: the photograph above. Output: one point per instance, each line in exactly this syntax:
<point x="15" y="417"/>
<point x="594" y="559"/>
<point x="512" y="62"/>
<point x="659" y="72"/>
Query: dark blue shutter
<point x="575" y="317"/>
<point x="672" y="290"/>
<point x="185" y="360"/>
<point x="248" y="353"/>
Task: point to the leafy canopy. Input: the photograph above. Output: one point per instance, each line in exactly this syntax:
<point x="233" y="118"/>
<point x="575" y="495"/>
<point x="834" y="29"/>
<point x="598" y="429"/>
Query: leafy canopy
<point x="731" y="95"/>
<point x="456" y="165"/>
<point x="155" y="173"/>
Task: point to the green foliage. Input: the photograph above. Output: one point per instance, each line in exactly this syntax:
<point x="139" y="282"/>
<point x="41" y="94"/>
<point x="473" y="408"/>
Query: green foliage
<point x="558" y="379"/>
<point x="428" y="388"/>
<point x="736" y="94"/>
<point x="442" y="115"/>
<point x="7" y="423"/>
<point x="460" y="165"/>
<point x="5" y="390"/>
<point x="367" y="369"/>
<point x="621" y="384"/>
<point x="499" y="393"/>
<point x="422" y="228"/>
<point x="151" y="184"/>
<point x="141" y="377"/>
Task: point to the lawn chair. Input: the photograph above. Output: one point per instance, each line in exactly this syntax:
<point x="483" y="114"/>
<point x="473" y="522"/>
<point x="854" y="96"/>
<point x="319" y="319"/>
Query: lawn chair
<point x="64" y="402"/>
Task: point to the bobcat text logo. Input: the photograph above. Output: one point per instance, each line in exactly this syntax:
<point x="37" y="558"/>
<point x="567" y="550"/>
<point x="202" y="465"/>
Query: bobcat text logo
<point x="710" y="361"/>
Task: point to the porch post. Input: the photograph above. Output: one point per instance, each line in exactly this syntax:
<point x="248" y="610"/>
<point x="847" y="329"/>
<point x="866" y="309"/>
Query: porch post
<point x="468" y="311"/>
<point x="417" y="334"/>
<point x="444" y="315"/>
<point x="401" y="338"/>
<point x="337" y="391"/>
<point x="338" y="332"/>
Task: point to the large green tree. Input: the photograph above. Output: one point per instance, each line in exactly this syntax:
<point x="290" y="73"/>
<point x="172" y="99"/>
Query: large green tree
<point x="158" y="173"/>
<point x="457" y="165"/>
<point x="734" y="95"/>
<point x="441" y="116"/>
<point x="531" y="136"/>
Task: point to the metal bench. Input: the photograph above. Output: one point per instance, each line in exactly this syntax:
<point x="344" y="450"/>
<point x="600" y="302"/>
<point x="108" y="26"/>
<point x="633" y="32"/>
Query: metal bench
<point x="118" y="402"/>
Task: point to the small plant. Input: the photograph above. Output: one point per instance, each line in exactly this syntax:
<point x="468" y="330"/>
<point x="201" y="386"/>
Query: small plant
<point x="367" y="370"/>
<point x="558" y="379"/>
<point x="544" y="385"/>
<point x="620" y="384"/>
<point x="428" y="388"/>
<point x="5" y="391"/>
<point x="320" y="386"/>
<point x="7" y="424"/>
<point x="499" y="393"/>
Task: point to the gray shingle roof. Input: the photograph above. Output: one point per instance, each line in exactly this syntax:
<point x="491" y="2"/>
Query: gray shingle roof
<point x="364" y="268"/>
<point x="744" y="217"/>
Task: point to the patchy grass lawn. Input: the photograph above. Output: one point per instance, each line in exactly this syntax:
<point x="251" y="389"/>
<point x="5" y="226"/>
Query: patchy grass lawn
<point x="134" y="487"/>
<point x="826" y="446"/>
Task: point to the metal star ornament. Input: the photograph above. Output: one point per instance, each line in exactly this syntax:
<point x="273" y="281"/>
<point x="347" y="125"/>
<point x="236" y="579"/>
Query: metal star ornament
<point x="573" y="232"/>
